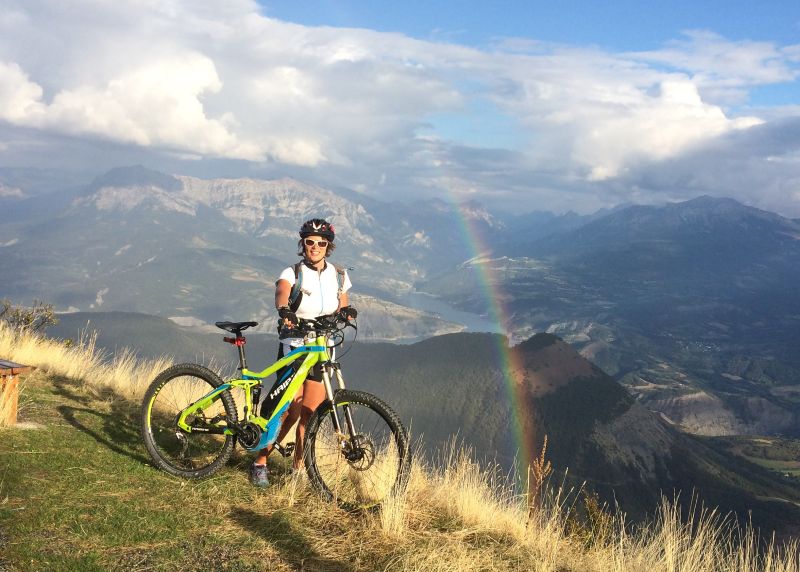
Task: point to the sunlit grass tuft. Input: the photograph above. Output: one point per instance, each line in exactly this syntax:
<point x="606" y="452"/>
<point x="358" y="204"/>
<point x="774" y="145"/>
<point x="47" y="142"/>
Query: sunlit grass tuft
<point x="121" y="372"/>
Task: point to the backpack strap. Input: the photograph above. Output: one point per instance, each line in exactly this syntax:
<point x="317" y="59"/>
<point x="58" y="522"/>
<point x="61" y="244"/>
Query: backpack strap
<point x="296" y="295"/>
<point x="339" y="279"/>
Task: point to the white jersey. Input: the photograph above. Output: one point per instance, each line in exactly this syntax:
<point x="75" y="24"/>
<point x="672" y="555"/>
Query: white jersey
<point x="320" y="290"/>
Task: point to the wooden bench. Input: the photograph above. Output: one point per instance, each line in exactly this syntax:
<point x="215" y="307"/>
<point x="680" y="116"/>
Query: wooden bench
<point x="9" y="390"/>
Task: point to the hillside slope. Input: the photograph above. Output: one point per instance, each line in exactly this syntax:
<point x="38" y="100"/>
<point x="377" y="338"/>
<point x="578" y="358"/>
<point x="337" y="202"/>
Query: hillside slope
<point x="457" y="385"/>
<point x="96" y="504"/>
<point x="454" y="385"/>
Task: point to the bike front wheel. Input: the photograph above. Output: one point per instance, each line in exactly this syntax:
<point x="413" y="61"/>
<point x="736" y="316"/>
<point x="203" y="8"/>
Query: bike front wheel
<point x="192" y="454"/>
<point x="364" y="464"/>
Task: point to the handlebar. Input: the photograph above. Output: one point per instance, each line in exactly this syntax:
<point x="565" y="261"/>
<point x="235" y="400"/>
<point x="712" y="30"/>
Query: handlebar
<point x="326" y="325"/>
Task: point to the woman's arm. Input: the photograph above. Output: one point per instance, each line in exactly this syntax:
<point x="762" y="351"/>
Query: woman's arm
<point x="282" y="291"/>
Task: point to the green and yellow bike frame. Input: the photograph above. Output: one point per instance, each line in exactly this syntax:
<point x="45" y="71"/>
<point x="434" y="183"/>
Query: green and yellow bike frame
<point x="256" y="432"/>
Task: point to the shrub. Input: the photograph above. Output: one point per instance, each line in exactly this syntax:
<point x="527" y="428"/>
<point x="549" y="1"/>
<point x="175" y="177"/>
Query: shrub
<point x="28" y="319"/>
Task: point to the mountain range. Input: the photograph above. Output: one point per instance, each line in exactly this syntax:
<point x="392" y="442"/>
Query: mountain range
<point x="691" y="306"/>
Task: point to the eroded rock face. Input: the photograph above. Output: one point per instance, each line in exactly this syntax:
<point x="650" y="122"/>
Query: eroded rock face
<point x="548" y="363"/>
<point x="701" y="413"/>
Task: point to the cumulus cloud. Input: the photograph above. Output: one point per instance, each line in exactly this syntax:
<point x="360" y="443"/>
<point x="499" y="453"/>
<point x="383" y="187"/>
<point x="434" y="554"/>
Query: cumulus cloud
<point x="758" y="166"/>
<point x="724" y="70"/>
<point x="221" y="81"/>
<point x="601" y="113"/>
<point x="19" y="97"/>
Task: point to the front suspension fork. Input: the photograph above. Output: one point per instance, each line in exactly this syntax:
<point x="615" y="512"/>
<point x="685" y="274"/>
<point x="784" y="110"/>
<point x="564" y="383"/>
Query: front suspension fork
<point x="326" y="379"/>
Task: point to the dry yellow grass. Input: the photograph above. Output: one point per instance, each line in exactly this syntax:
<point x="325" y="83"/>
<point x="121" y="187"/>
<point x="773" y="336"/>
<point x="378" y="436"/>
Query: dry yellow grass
<point x="82" y="361"/>
<point x="455" y="514"/>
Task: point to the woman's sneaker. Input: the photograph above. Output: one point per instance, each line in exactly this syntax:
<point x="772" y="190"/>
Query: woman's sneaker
<point x="259" y="476"/>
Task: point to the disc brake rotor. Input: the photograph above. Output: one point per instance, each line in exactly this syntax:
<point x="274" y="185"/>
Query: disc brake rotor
<point x="360" y="452"/>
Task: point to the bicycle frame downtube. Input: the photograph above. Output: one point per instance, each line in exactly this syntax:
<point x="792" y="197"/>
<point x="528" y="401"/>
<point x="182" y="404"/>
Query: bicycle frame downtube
<point x="313" y="354"/>
<point x="287" y="390"/>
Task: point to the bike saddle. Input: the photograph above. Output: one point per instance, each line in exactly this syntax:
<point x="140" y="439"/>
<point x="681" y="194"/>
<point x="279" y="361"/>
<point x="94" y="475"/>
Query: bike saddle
<point x="235" y="327"/>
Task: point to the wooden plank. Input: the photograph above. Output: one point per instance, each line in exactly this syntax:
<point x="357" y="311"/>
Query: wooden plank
<point x="8" y="367"/>
<point x="9" y="400"/>
<point x="9" y="390"/>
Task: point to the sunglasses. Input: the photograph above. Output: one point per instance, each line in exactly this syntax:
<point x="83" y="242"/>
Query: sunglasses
<point x="311" y="242"/>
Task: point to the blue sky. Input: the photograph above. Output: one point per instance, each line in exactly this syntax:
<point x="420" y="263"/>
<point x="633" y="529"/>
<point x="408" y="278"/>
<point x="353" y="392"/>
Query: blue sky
<point x="620" y="25"/>
<point x="522" y="105"/>
<point x="628" y="25"/>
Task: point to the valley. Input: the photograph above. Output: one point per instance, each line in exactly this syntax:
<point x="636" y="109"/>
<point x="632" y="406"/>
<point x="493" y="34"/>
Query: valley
<point x="689" y="305"/>
<point x="454" y="386"/>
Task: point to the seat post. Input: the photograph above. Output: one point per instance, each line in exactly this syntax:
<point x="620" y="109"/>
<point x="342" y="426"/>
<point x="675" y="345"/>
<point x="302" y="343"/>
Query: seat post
<point x="240" y="347"/>
<point x="236" y="329"/>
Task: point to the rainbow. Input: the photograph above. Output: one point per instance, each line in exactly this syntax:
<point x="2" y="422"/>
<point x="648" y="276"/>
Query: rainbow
<point x="509" y="360"/>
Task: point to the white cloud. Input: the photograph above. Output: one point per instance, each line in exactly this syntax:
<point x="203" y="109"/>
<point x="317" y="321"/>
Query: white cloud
<point x="155" y="104"/>
<point x="725" y="70"/>
<point x="19" y="97"/>
<point x="218" y="79"/>
<point x="594" y="113"/>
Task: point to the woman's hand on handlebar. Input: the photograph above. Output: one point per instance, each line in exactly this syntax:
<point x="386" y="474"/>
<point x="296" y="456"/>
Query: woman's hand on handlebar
<point x="289" y="318"/>
<point x="347" y="313"/>
<point x="328" y="322"/>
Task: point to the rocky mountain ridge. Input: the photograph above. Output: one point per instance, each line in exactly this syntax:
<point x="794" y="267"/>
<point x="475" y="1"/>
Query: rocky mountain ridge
<point x="196" y="250"/>
<point x="691" y="305"/>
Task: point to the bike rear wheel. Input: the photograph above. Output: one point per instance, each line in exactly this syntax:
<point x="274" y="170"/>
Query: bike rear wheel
<point x="358" y="469"/>
<point x="192" y="454"/>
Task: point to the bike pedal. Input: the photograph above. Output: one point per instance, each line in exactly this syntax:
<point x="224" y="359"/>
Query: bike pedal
<point x="287" y="450"/>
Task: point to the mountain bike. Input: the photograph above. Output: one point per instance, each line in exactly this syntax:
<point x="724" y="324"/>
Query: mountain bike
<point x="356" y="449"/>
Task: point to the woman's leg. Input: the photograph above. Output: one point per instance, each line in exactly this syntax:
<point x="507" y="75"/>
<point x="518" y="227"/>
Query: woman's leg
<point x="313" y="395"/>
<point x="289" y="419"/>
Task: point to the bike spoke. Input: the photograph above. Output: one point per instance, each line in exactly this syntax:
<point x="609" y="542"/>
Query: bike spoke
<point x="360" y="470"/>
<point x="175" y="450"/>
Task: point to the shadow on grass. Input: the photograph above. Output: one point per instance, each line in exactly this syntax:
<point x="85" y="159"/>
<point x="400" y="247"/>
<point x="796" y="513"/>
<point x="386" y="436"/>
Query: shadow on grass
<point x="71" y="389"/>
<point x="119" y="434"/>
<point x="118" y="430"/>
<point x="294" y="548"/>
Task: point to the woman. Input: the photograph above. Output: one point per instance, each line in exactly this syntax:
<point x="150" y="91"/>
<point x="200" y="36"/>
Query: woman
<point x="324" y="291"/>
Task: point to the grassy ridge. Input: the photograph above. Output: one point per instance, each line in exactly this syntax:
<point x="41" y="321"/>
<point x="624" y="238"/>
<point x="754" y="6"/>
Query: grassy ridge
<point x="78" y="494"/>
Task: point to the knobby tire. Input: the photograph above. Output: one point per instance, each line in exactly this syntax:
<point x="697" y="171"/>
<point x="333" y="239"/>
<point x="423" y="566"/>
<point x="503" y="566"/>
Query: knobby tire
<point x="190" y="455"/>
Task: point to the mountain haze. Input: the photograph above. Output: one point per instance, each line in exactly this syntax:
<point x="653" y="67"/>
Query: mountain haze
<point x="692" y="305"/>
